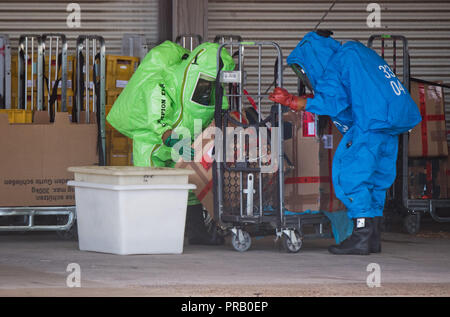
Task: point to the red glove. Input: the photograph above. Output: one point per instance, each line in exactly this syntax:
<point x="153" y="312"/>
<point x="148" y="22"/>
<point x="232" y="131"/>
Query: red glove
<point x="283" y="97"/>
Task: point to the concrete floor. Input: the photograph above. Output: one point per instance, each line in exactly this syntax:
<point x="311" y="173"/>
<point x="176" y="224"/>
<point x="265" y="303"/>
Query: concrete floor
<point x="35" y="264"/>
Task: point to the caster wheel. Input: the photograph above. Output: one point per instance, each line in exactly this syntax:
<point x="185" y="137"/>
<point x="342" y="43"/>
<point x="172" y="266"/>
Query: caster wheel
<point x="411" y="223"/>
<point x="241" y="245"/>
<point x="290" y="246"/>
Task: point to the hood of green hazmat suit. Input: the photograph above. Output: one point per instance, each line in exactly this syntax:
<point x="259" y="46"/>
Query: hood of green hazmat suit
<point x="169" y="90"/>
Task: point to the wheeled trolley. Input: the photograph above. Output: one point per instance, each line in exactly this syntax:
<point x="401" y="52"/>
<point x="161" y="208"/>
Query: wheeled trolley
<point x="248" y="171"/>
<point x="33" y="70"/>
<point x="398" y="197"/>
<point x="189" y="41"/>
<point x="5" y="72"/>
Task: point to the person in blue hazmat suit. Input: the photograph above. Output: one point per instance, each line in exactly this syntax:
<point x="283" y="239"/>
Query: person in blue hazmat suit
<point x="356" y="88"/>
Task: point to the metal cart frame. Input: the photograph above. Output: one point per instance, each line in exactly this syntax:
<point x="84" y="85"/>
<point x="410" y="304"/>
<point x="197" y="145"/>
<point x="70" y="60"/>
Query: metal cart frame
<point x="185" y="39"/>
<point x="400" y="195"/>
<point x="5" y="71"/>
<point x="57" y="44"/>
<point x="64" y="227"/>
<point x="36" y="41"/>
<point x="239" y="218"/>
<point x="96" y="45"/>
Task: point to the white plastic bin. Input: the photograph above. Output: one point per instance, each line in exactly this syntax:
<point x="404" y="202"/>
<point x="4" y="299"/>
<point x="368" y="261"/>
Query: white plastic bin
<point x="131" y="218"/>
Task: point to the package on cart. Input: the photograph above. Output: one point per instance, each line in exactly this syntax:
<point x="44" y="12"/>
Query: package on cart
<point x="202" y="166"/>
<point x="428" y="138"/>
<point x="302" y="177"/>
<point x="308" y="183"/>
<point x="36" y="157"/>
<point x="330" y="137"/>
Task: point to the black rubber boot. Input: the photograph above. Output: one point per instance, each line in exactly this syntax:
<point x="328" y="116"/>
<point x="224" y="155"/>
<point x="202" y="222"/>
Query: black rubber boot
<point x="358" y="242"/>
<point x="375" y="238"/>
<point x="196" y="230"/>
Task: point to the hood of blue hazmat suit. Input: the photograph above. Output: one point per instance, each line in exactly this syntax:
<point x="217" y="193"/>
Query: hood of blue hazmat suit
<point x="171" y="87"/>
<point x="354" y="86"/>
<point x="312" y="54"/>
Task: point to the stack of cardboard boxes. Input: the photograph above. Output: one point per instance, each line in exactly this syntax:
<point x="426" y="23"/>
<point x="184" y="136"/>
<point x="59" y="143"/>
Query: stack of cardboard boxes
<point x="428" y="149"/>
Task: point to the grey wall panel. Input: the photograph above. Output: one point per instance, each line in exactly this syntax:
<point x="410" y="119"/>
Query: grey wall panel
<point x="111" y="19"/>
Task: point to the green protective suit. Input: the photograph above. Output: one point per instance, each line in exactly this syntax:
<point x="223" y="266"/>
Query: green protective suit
<point x="171" y="87"/>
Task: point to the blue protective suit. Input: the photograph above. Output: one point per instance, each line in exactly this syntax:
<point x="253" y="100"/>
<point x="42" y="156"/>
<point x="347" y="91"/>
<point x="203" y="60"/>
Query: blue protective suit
<point x="369" y="105"/>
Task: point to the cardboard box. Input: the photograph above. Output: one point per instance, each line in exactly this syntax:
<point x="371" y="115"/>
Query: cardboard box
<point x="330" y="138"/>
<point x="302" y="179"/>
<point x="202" y="165"/>
<point x="36" y="156"/>
<point x="428" y="139"/>
<point x="308" y="184"/>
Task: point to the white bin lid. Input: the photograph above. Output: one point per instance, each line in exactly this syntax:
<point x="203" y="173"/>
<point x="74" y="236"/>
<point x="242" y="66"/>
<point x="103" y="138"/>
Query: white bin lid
<point x="130" y="170"/>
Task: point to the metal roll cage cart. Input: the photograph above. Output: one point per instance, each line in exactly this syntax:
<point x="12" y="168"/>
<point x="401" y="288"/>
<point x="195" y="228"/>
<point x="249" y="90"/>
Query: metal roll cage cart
<point x="28" y="46"/>
<point x="5" y="72"/>
<point x="249" y="191"/>
<point x="189" y="41"/>
<point x="398" y="197"/>
<point x="24" y="57"/>
<point x="91" y="57"/>
<point x="57" y="62"/>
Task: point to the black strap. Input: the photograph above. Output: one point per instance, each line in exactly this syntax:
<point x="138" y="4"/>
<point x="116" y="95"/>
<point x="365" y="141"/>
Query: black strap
<point x="219" y="97"/>
<point x="54" y="94"/>
<point x="101" y="157"/>
<point x="79" y="88"/>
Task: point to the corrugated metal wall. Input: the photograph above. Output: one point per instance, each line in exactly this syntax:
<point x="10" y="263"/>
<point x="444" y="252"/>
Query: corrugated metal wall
<point x="425" y="23"/>
<point x="111" y="19"/>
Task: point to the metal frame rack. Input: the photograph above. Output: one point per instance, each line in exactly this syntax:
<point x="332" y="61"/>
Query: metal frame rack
<point x="399" y="196"/>
<point x="56" y="44"/>
<point x="189" y="41"/>
<point x="263" y="204"/>
<point x="136" y="45"/>
<point x="28" y="46"/>
<point x="5" y="72"/>
<point x="91" y="57"/>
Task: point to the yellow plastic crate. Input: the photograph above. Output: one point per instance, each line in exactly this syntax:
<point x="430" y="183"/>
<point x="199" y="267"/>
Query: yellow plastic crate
<point x="18" y="115"/>
<point x="119" y="70"/>
<point x="112" y="95"/>
<point x="119" y="148"/>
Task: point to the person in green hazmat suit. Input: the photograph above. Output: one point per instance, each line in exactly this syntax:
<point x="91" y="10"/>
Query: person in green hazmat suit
<point x="170" y="89"/>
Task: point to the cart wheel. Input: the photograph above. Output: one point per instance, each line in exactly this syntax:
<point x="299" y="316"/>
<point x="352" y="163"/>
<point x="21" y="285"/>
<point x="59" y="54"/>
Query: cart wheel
<point x="411" y="223"/>
<point x="291" y="247"/>
<point x="244" y="245"/>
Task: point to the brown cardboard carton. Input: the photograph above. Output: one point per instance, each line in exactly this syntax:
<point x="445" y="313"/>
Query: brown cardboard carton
<point x="202" y="165"/>
<point x="302" y="179"/>
<point x="33" y="170"/>
<point x="329" y="141"/>
<point x="308" y="184"/>
<point x="428" y="139"/>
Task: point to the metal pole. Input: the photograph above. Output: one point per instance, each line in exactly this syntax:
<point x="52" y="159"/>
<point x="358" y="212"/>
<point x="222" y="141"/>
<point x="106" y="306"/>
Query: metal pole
<point x="87" y="80"/>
